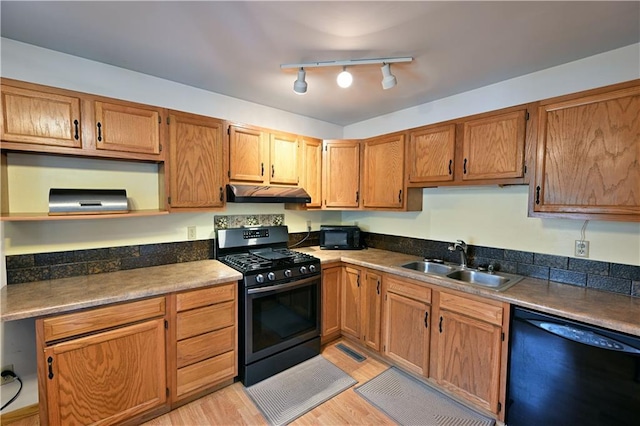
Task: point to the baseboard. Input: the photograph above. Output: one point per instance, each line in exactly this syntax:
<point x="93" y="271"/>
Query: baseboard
<point x="19" y="414"/>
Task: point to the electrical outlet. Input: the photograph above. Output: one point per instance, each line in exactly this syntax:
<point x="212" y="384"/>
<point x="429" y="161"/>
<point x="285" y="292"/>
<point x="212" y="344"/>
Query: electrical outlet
<point x="308" y="225"/>
<point x="191" y="232"/>
<point x="582" y="248"/>
<point x="7" y="379"/>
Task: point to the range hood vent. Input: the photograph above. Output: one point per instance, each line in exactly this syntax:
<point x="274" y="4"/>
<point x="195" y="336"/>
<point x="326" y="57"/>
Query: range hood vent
<point x="266" y="194"/>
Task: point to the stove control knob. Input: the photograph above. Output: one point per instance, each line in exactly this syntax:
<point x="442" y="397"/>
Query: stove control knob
<point x="287" y="273"/>
<point x="259" y="278"/>
<point x="271" y="276"/>
<point x="312" y="268"/>
<point x="303" y="270"/>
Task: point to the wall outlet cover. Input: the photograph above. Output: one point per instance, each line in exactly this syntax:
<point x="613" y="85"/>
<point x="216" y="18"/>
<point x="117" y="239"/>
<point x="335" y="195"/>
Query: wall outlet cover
<point x="582" y="248"/>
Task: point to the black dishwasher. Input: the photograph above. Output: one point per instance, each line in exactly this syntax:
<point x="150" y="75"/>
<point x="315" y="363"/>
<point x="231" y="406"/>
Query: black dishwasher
<point x="563" y="372"/>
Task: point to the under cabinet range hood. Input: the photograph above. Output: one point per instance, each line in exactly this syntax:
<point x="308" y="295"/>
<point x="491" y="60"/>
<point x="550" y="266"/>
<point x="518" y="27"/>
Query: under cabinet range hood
<point x="87" y="201"/>
<point x="266" y="194"/>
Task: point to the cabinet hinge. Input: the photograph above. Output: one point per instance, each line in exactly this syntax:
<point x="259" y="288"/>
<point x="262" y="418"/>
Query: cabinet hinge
<point x="385" y="297"/>
<point x="228" y="173"/>
<point x="169" y="200"/>
<point x="325" y="147"/>
<point x="160" y="119"/>
<point x="160" y="147"/>
<point x="168" y="393"/>
<point x="526" y="115"/>
<point x="229" y="130"/>
<point x="499" y="406"/>
<point x="502" y="337"/>
<point x="525" y="169"/>
<point x="166" y="324"/>
<point x="168" y="122"/>
<point x="384" y="348"/>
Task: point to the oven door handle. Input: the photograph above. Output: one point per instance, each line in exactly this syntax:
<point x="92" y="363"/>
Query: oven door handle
<point x="296" y="283"/>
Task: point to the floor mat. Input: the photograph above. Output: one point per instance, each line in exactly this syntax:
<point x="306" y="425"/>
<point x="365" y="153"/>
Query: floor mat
<point x="410" y="402"/>
<point x="288" y="395"/>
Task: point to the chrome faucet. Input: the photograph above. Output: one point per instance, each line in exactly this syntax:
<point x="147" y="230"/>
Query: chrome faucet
<point x="459" y="244"/>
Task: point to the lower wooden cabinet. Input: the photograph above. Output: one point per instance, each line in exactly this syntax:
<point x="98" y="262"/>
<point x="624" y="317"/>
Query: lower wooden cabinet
<point x="406" y="318"/>
<point x="96" y="367"/>
<point x="331" y="278"/>
<point x="470" y="355"/>
<point x="361" y="305"/>
<point x="203" y="340"/>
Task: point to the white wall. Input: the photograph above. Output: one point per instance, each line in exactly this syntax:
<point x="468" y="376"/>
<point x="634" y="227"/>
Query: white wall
<point x="493" y="216"/>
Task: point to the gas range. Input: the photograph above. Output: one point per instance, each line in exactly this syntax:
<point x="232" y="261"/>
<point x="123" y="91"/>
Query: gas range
<point x="262" y="256"/>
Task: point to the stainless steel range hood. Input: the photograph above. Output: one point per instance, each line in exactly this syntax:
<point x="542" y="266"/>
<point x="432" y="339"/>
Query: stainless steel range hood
<point x="266" y="194"/>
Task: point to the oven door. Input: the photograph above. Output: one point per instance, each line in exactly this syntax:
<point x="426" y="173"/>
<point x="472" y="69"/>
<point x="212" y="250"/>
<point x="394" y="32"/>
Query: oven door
<point x="281" y="316"/>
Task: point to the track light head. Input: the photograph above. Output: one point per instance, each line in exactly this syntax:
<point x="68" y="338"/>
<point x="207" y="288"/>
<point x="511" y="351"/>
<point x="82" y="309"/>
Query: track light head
<point x="344" y="78"/>
<point x="388" y="79"/>
<point x="300" y="86"/>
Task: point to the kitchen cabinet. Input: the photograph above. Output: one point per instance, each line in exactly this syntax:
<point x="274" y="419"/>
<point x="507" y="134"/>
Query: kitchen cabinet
<point x="262" y="157"/>
<point x="203" y="341"/>
<point x="361" y="306"/>
<point x="103" y="365"/>
<point x="383" y="172"/>
<point x="430" y="154"/>
<point x="469" y="348"/>
<point x="341" y="174"/>
<point x="311" y="170"/>
<point x="406" y="324"/>
<point x="587" y="155"/>
<point x="331" y="280"/>
<point x="196" y="158"/>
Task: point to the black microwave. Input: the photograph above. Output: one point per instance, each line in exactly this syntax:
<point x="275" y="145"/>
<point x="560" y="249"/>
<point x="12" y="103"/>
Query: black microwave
<point x="337" y="237"/>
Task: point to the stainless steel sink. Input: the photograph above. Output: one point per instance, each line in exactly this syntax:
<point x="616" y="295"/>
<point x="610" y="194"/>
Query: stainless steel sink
<point x="429" y="267"/>
<point x="495" y="280"/>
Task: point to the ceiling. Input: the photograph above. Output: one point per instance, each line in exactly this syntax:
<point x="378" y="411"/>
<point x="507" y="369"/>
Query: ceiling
<point x="236" y="48"/>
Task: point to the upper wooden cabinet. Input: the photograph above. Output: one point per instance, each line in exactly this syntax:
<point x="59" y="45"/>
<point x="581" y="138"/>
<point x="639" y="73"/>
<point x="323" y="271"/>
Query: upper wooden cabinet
<point x="488" y="148"/>
<point x="258" y="156"/>
<point x="44" y="119"/>
<point x="430" y="154"/>
<point x="122" y="127"/>
<point x="311" y="169"/>
<point x="588" y="154"/>
<point x="341" y="174"/>
<point x="39" y="117"/>
<point x="383" y="172"/>
<point x="196" y="158"/>
<point x="493" y="146"/>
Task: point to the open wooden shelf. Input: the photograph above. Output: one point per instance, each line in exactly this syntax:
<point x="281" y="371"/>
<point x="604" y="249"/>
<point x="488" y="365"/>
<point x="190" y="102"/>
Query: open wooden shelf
<point x="40" y="216"/>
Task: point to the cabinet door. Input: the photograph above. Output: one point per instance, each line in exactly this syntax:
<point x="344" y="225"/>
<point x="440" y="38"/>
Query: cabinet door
<point x="406" y="333"/>
<point x="371" y="305"/>
<point x="248" y="155"/>
<point x="587" y="159"/>
<point x="312" y="170"/>
<point x="284" y="159"/>
<point x="122" y="127"/>
<point x="350" y="306"/>
<point x="30" y="116"/>
<point x="107" y="377"/>
<point x="383" y="172"/>
<point x="493" y="147"/>
<point x="431" y="154"/>
<point x="195" y="161"/>
<point x="331" y="301"/>
<point x="341" y="174"/>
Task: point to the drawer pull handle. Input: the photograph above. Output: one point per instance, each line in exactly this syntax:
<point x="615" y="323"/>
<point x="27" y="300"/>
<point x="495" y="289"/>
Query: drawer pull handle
<point x="99" y="132"/>
<point x="77" y="135"/>
<point x="50" y="364"/>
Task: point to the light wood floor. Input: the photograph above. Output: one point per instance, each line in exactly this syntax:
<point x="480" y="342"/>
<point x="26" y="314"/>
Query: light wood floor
<point x="232" y="406"/>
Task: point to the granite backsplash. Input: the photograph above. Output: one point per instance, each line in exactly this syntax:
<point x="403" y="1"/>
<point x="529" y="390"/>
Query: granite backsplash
<point x="617" y="278"/>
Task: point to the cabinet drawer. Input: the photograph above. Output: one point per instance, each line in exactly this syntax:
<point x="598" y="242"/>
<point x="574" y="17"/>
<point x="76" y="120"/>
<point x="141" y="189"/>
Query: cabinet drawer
<point x="206" y="296"/>
<point x="408" y="289"/>
<point x="203" y="320"/>
<point x="206" y="373"/>
<point x="473" y="308"/>
<point x="63" y="326"/>
<point x="205" y="346"/>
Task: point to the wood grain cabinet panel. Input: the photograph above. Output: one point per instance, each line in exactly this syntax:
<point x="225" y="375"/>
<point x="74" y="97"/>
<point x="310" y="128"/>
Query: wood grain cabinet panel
<point x="123" y="127"/>
<point x="203" y="346"/>
<point x="38" y="117"/>
<point x="206" y="373"/>
<point x="283" y="150"/>
<point x="383" y="172"/>
<point x="350" y="303"/>
<point x="196" y="161"/>
<point x="311" y="170"/>
<point x="200" y="320"/>
<point x="206" y="296"/>
<point x="361" y="306"/>
<point x="493" y="147"/>
<point x="588" y="156"/>
<point x="341" y="174"/>
<point x="331" y="302"/>
<point x="248" y="154"/>
<point x="430" y="154"/>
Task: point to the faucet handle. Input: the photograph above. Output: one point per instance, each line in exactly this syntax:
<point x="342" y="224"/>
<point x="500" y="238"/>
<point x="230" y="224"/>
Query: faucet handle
<point x="462" y="243"/>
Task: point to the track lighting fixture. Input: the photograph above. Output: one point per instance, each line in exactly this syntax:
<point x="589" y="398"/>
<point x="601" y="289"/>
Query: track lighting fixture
<point x="300" y="86"/>
<point x="388" y="79"/>
<point x="345" y="78"/>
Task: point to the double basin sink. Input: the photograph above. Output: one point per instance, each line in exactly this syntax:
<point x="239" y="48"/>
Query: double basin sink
<point x="497" y="281"/>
